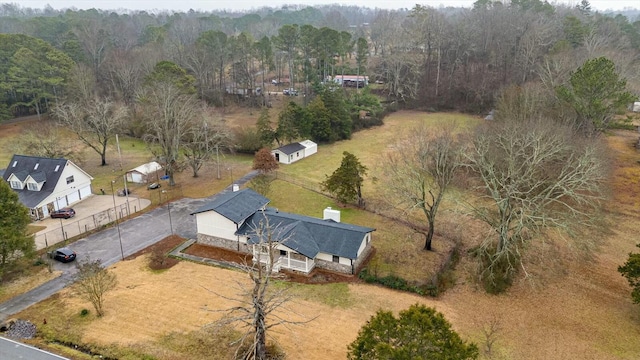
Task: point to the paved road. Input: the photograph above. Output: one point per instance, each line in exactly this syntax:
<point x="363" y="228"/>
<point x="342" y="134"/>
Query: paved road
<point x="135" y="234"/>
<point x="13" y="350"/>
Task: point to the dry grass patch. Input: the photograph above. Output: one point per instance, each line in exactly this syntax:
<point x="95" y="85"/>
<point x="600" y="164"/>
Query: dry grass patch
<point x="24" y="283"/>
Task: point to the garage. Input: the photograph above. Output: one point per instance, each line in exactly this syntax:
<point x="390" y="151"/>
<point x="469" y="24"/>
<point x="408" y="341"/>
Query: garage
<point x="73" y="197"/>
<point x="85" y="192"/>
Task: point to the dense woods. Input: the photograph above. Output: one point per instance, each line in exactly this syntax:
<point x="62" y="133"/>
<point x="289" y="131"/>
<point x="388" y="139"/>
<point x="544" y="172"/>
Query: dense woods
<point x="446" y="58"/>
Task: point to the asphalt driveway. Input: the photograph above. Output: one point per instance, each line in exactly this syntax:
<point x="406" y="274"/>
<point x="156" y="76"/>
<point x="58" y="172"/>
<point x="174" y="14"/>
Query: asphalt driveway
<point x="113" y="244"/>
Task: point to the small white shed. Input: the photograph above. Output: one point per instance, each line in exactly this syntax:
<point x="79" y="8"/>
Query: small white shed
<point x="293" y="152"/>
<point x="144" y="173"/>
<point x="636" y="106"/>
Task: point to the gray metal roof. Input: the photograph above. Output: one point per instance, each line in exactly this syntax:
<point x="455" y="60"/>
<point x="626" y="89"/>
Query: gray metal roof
<point x="291" y="148"/>
<point x="307" y="235"/>
<point x="235" y="205"/>
<point x="24" y="166"/>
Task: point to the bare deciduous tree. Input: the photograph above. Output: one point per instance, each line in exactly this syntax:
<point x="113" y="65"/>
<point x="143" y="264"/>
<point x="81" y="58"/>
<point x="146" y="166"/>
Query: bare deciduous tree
<point x="420" y="169"/>
<point x="204" y="140"/>
<point x="533" y="175"/>
<point x="46" y="140"/>
<point x="170" y="114"/>
<point x="260" y="305"/>
<point x="93" y="282"/>
<point x="94" y="122"/>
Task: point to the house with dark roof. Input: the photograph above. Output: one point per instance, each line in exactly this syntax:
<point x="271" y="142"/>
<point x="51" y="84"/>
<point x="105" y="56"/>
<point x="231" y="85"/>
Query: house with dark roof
<point x="44" y="184"/>
<point x="236" y="220"/>
<point x="293" y="152"/>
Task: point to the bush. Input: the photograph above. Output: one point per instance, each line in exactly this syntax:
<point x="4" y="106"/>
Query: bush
<point x="390" y="281"/>
<point x="84" y="312"/>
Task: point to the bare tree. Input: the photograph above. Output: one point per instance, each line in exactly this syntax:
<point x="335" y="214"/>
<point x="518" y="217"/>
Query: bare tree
<point x="93" y="282"/>
<point x="206" y="139"/>
<point x="533" y="175"/>
<point x="94" y="122"/>
<point x="170" y="115"/>
<point x="259" y="303"/>
<point x="420" y="169"/>
<point x="46" y="140"/>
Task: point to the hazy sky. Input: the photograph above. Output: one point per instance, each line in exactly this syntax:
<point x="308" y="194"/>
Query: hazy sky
<point x="184" y="5"/>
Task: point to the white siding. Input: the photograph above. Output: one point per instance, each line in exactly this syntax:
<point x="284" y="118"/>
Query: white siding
<point x="85" y="192"/>
<point x="73" y="197"/>
<point x="213" y="224"/>
<point x="80" y="181"/>
<point x="329" y="258"/>
<point x="364" y="243"/>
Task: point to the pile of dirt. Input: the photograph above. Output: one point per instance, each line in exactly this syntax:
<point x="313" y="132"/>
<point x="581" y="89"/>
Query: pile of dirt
<point x="20" y="329"/>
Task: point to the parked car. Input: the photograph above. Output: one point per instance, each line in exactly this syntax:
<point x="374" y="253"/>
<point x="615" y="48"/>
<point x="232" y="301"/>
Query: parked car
<point x="154" y="185"/>
<point x="64" y="213"/>
<point x="290" y="92"/>
<point x="124" y="192"/>
<point x="64" y="255"/>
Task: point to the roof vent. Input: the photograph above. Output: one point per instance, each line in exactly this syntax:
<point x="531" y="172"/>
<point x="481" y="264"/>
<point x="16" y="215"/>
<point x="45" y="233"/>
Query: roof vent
<point x="235" y="187"/>
<point x="57" y="167"/>
<point x="36" y="167"/>
<point x="330" y="214"/>
<point x="15" y="162"/>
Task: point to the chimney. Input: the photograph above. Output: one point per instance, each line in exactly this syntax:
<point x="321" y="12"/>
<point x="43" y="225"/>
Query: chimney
<point x="235" y="187"/>
<point x="330" y="214"/>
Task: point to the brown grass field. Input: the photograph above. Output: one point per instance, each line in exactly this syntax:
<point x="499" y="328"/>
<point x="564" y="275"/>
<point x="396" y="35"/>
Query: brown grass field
<point x="573" y="305"/>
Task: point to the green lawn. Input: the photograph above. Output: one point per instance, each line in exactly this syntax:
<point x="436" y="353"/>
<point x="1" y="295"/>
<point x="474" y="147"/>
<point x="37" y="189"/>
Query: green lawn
<point x="399" y="249"/>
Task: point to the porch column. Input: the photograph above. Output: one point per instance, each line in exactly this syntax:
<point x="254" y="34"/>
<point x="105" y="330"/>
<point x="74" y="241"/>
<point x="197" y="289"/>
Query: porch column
<point x="289" y="259"/>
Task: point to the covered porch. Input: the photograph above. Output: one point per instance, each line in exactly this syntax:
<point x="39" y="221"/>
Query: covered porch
<point x="284" y="259"/>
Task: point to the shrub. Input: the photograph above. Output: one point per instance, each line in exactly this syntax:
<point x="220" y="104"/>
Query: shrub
<point x="84" y="312"/>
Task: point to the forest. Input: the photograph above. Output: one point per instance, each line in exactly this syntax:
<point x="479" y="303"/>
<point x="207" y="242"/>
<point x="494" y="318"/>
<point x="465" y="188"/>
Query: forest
<point x="438" y="59"/>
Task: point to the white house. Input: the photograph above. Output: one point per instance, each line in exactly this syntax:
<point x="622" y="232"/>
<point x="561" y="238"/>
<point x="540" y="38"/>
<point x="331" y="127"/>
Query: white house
<point x="233" y="219"/>
<point x="293" y="152"/>
<point x="144" y="173"/>
<point x="44" y="185"/>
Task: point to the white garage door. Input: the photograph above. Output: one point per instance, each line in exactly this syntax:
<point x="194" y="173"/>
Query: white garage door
<point x="85" y="191"/>
<point x="73" y="197"/>
<point x="60" y="203"/>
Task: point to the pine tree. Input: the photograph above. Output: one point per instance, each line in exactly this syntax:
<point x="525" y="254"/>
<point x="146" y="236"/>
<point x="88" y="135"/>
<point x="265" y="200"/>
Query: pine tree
<point x="346" y="182"/>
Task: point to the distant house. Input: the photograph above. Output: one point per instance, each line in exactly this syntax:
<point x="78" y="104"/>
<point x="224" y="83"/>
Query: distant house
<point x="304" y="242"/>
<point x="44" y="185"/>
<point x="293" y="152"/>
<point x="349" y="80"/>
<point x="144" y="173"/>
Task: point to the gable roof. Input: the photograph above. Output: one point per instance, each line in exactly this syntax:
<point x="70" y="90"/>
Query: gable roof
<point x="147" y="168"/>
<point x="46" y="170"/>
<point x="308" y="235"/>
<point x="235" y="205"/>
<point x="290" y="148"/>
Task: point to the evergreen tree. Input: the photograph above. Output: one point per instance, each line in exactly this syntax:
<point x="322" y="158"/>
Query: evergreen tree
<point x="631" y="271"/>
<point x="346" y="182"/>
<point x="14" y="218"/>
<point x="596" y="92"/>
<point x="265" y="129"/>
<point x="418" y="333"/>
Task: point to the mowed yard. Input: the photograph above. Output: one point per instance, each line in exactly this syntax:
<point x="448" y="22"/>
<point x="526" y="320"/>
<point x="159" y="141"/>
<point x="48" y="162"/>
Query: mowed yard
<point x="574" y="305"/>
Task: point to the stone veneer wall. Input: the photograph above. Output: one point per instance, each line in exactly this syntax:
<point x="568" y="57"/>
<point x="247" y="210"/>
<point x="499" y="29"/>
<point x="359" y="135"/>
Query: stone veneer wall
<point x="222" y="243"/>
<point x="357" y="264"/>
<point x="333" y="266"/>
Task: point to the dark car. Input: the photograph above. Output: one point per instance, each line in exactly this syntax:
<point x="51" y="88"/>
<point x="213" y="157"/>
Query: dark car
<point x="64" y="213"/>
<point x="154" y="185"/>
<point x="64" y="255"/>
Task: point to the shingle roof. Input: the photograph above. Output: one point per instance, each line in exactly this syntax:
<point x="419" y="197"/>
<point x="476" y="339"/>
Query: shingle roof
<point x="308" y="235"/>
<point x="24" y="166"/>
<point x="291" y="148"/>
<point x="235" y="205"/>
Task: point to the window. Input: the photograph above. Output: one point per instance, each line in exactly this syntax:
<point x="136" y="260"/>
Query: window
<point x="283" y="252"/>
<point x="336" y="259"/>
<point x="70" y="179"/>
<point x="298" y="154"/>
<point x="32" y="186"/>
<point x="16" y="184"/>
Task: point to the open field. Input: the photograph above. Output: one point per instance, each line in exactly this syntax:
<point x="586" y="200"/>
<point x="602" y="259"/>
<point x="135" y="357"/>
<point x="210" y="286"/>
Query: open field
<point x="575" y="305"/>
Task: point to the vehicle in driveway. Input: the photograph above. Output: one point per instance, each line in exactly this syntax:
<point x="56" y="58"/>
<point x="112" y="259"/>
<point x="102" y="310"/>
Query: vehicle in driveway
<point x="64" y="213"/>
<point x="64" y="255"/>
<point x="154" y="185"/>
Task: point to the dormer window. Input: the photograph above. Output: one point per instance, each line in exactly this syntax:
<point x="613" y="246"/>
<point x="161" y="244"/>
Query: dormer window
<point x="16" y="184"/>
<point x="32" y="186"/>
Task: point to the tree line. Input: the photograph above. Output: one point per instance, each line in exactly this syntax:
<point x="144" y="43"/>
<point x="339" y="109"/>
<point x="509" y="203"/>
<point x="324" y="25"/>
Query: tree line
<point x="448" y="58"/>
